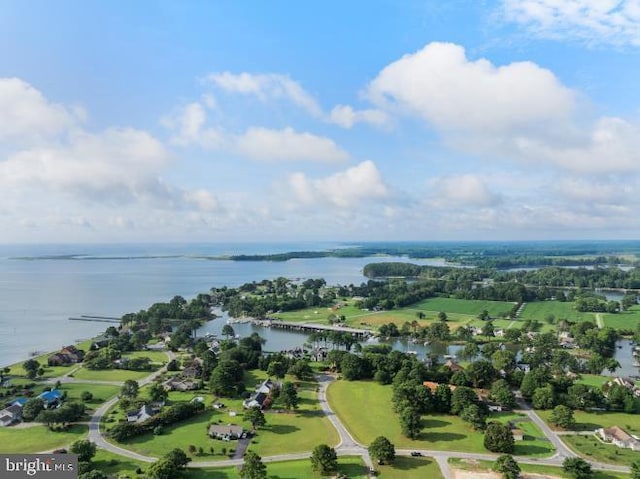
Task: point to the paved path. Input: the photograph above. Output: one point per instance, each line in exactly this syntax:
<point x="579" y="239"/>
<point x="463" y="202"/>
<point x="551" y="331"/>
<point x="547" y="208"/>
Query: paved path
<point x="599" y="321"/>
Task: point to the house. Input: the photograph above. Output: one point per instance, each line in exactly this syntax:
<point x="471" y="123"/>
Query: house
<point x="499" y="333"/>
<point x="67" y="355"/>
<point x="193" y="370"/>
<point x="100" y="342"/>
<point x="178" y="383"/>
<point x="52" y="399"/>
<point x="261" y="397"/>
<point x="226" y="433"/>
<point x="518" y="435"/>
<point x="19" y="402"/>
<point x="142" y="414"/>
<point x="10" y="415"/>
<point x="452" y="366"/>
<point x="619" y="437"/>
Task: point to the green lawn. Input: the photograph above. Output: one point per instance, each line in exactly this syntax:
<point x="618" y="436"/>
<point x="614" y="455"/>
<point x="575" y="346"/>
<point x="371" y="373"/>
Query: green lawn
<point x="115" y="464"/>
<point x="463" y="306"/>
<point x="593" y="380"/>
<point x="592" y="449"/>
<point x="101" y="392"/>
<point x="590" y="421"/>
<point x="561" y="310"/>
<point x="298" y="431"/>
<point x="38" y="438"/>
<point x="410" y="467"/>
<point x="485" y="466"/>
<point x="109" y="374"/>
<point x="625" y="320"/>
<point x="351" y="466"/>
<point x="358" y="401"/>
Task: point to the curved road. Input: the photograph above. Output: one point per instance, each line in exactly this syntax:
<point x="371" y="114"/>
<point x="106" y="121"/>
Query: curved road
<point x="347" y="445"/>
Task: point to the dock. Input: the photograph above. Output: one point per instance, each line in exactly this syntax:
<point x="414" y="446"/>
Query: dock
<point x="97" y="319"/>
<point x="315" y="327"/>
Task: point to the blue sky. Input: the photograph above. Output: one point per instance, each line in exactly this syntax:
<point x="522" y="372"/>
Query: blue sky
<point x="383" y="120"/>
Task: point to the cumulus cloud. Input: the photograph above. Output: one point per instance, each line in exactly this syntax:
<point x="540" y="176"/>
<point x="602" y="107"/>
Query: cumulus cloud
<point x="614" y="22"/>
<point x="188" y="125"/>
<point x="346" y="189"/>
<point x="287" y="144"/>
<point x="345" y="116"/>
<point x="266" y="86"/>
<point x="440" y="84"/>
<point x="462" y="190"/>
<point x="26" y="115"/>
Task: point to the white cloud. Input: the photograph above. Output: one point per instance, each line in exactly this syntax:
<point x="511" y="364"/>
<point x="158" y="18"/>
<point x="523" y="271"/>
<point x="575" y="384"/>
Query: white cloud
<point x="26" y="115"/>
<point x="188" y="124"/>
<point x="203" y="199"/>
<point x="346" y="190"/>
<point x="287" y="144"/>
<point x="453" y="93"/>
<point x="345" y="116"/>
<point x="463" y="190"/>
<point x="614" y="22"/>
<point x="266" y="86"/>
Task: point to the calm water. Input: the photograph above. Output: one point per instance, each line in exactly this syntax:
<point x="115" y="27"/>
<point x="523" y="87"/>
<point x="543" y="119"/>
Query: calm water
<point x="38" y="295"/>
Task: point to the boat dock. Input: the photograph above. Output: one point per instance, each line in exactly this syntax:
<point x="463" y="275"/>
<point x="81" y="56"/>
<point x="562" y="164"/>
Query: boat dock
<point x="315" y="327"/>
<point x="97" y="319"/>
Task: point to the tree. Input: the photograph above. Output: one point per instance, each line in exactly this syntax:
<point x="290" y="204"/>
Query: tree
<point x="253" y="467"/>
<point x="178" y="458"/>
<point x="487" y="329"/>
<point x="481" y="373"/>
<point x="442" y="316"/>
<point x="130" y="389"/>
<point x="462" y="397"/>
<point x="543" y="398"/>
<point x="442" y="398"/>
<point x="226" y="377"/>
<point x="562" y="416"/>
<point x="301" y="369"/>
<point x="255" y="416"/>
<point x="635" y="470"/>
<point x="410" y="422"/>
<point x="577" y="468"/>
<point x="85" y="450"/>
<point x="324" y="459"/>
<point x="507" y="466"/>
<point x="157" y="392"/>
<point x="86" y="396"/>
<point x="289" y="395"/>
<point x="499" y="438"/>
<point x="162" y="469"/>
<point x="228" y="331"/>
<point x="32" y="408"/>
<point x="277" y="369"/>
<point x="31" y="366"/>
<point x="474" y="416"/>
<point x="502" y="394"/>
<point x="382" y="450"/>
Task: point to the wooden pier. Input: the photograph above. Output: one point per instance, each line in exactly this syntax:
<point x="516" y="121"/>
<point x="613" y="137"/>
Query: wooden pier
<point x="315" y="327"/>
<point x="97" y="319"/>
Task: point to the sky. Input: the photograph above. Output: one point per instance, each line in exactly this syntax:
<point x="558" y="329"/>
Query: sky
<point x="251" y="121"/>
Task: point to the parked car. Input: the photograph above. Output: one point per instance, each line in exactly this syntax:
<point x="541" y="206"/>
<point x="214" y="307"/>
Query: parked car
<point x="416" y="453"/>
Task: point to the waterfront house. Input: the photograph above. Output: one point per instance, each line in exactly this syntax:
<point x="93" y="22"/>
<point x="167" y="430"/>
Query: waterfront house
<point x="10" y="415"/>
<point x="226" y="433"/>
<point x="619" y="437"/>
<point x="67" y="355"/>
<point x="452" y="366"/>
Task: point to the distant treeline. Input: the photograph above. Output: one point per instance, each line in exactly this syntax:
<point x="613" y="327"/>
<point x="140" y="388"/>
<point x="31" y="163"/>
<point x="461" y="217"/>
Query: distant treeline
<point x="490" y="255"/>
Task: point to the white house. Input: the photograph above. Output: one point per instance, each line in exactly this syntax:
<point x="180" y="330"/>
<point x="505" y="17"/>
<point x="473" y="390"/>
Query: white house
<point x="619" y="437"/>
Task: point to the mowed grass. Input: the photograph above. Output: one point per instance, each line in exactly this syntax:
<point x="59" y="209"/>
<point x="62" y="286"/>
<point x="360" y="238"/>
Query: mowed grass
<point x="158" y="357"/>
<point x="296" y="431"/>
<point x="404" y="467"/>
<point x="357" y="402"/>
<point x="561" y="310"/>
<point x="101" y="392"/>
<point x="38" y="438"/>
<point x="463" y="306"/>
<point x="624" y="320"/>
<point x="593" y="380"/>
<point x="116" y="465"/>
<point x="592" y="449"/>
<point x="109" y="374"/>
<point x="592" y="420"/>
<point x="350" y="466"/>
<point x="486" y="466"/>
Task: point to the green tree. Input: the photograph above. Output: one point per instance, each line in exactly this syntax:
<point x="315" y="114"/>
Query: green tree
<point x="410" y="422"/>
<point x="162" y="469"/>
<point x="228" y="331"/>
<point x="562" y="416"/>
<point x="487" y="329"/>
<point x="474" y="416"/>
<point x="382" y="450"/>
<point x="157" y="392"/>
<point x="507" y="466"/>
<point x="130" y="389"/>
<point x="324" y="459"/>
<point x="544" y="397"/>
<point x="31" y="366"/>
<point x="635" y="470"/>
<point x="289" y="395"/>
<point x="499" y="438"/>
<point x="85" y="450"/>
<point x="32" y="408"/>
<point x="502" y="393"/>
<point x="226" y="377"/>
<point x="93" y="474"/>
<point x="577" y="468"/>
<point x="256" y="417"/>
<point x="442" y="316"/>
<point x="86" y="395"/>
<point x="277" y="369"/>
<point x="462" y="397"/>
<point x="253" y="467"/>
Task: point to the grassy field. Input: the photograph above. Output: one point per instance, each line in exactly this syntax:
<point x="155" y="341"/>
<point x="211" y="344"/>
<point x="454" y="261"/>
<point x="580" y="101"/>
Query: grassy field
<point x="298" y="431"/>
<point x="109" y="374"/>
<point x="561" y="310"/>
<point x="101" y="392"/>
<point x="350" y="466"/>
<point x="38" y="438"/>
<point x="485" y="466"/>
<point x="592" y="449"/>
<point x="624" y="320"/>
<point x="357" y="402"/>
<point x="115" y="464"/>
<point x="463" y="306"/>
<point x="593" y="380"/>
<point x="590" y="421"/>
<point x="157" y="357"/>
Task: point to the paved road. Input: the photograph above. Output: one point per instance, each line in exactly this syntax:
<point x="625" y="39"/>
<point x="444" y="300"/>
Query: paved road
<point x="562" y="451"/>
